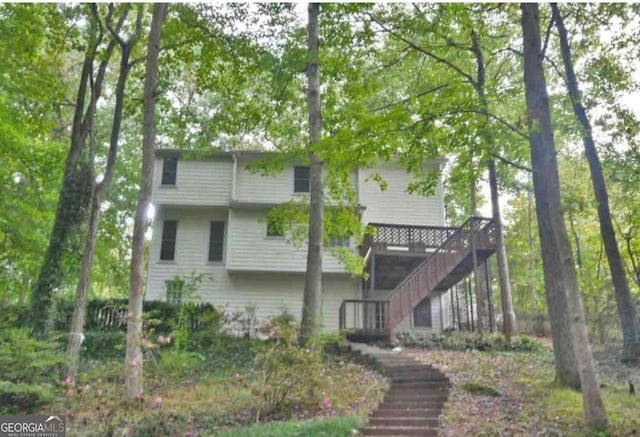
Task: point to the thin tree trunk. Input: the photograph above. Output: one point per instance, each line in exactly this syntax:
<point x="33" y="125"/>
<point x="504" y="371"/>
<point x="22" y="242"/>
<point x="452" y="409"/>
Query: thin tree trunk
<point x="626" y="309"/>
<point x="481" y="296"/>
<point x="312" y="301"/>
<point x="99" y="194"/>
<point x="508" y="316"/>
<point x="559" y="269"/>
<point x="75" y="194"/>
<point x="532" y="260"/>
<point x="133" y="360"/>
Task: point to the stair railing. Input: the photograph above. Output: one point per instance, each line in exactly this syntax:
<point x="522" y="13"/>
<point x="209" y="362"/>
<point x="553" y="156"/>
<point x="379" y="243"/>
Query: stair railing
<point x="434" y="269"/>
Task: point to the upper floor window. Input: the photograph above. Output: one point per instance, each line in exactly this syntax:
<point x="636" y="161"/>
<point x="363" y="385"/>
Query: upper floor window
<point x="422" y="314"/>
<point x="216" y="241"/>
<point x="168" y="246"/>
<point x="175" y="291"/>
<point x="301" y="178"/>
<point x="169" y="170"/>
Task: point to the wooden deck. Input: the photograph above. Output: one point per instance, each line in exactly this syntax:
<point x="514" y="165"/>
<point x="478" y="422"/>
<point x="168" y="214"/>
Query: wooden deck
<point x="437" y="270"/>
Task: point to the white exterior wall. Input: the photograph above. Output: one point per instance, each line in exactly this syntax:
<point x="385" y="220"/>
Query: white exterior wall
<point x="395" y="205"/>
<point x="198" y="183"/>
<point x="250" y="249"/>
<point x="272" y="189"/>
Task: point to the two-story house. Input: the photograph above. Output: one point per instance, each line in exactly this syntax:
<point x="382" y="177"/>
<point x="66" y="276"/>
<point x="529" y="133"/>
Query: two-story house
<point x="211" y="219"/>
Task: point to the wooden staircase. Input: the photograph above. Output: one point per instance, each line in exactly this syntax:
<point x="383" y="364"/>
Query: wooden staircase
<point x="447" y="265"/>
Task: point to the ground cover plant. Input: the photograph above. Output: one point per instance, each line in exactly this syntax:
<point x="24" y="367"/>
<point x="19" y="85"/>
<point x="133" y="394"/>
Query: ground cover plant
<point x="208" y="383"/>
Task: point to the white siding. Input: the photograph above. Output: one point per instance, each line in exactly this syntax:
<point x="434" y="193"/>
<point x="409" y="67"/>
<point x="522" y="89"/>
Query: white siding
<point x="268" y="293"/>
<point x="272" y="189"/>
<point x="201" y="183"/>
<point x="250" y="249"/>
<point x="395" y="204"/>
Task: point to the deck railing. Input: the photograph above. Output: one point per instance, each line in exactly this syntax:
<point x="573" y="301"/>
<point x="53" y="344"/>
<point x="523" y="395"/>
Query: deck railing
<point x="365" y="316"/>
<point x="411" y="237"/>
<point x="436" y="267"/>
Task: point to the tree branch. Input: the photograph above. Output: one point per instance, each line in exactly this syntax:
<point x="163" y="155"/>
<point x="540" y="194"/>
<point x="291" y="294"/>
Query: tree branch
<point x="403" y="101"/>
<point x="422" y="50"/>
<point x="511" y="163"/>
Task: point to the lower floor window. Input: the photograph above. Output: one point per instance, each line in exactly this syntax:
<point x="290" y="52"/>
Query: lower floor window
<point x="175" y="291"/>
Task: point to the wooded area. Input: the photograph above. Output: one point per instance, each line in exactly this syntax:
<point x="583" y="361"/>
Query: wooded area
<point x="543" y="97"/>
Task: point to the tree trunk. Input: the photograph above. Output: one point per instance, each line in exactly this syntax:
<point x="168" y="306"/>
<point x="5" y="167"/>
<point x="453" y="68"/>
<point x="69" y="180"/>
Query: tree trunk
<point x="133" y="360"/>
<point x="99" y="194"/>
<point x="508" y="316"/>
<point x="481" y="296"/>
<point x="75" y="194"/>
<point x="559" y="270"/>
<point x="312" y="301"/>
<point x="626" y="309"/>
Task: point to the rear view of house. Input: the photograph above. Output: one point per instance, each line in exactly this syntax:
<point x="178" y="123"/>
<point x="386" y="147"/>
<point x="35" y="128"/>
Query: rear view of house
<point x="211" y="220"/>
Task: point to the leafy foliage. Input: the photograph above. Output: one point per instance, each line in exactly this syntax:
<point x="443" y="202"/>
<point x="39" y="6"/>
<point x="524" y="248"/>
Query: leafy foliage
<point x="467" y="340"/>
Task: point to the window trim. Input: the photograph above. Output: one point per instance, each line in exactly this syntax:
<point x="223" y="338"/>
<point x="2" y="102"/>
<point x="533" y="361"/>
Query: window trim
<point x="174" y="296"/>
<point x="221" y="241"/>
<point x="339" y="242"/>
<point x="165" y="240"/>
<point x="169" y="178"/>
<point x="297" y="179"/>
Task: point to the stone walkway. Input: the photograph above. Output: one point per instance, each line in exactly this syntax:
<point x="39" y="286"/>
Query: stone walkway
<point x="415" y="399"/>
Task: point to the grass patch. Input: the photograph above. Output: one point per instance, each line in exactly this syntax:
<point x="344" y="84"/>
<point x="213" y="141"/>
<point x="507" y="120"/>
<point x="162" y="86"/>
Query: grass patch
<point x="334" y="427"/>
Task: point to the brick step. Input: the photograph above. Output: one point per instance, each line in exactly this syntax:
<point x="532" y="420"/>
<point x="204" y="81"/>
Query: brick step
<point x="409" y="367"/>
<point x="404" y="421"/>
<point x="421" y="387"/>
<point x="399" y="431"/>
<point x="412" y="397"/>
<point x="428" y="374"/>
<point x="412" y="405"/>
<point x="417" y="379"/>
<point x="399" y="412"/>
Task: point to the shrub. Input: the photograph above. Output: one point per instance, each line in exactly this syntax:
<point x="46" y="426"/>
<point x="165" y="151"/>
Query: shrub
<point x="468" y="340"/>
<point x="24" y="359"/>
<point x="104" y="345"/>
<point x="287" y="375"/>
<point x="180" y="364"/>
<point x="23" y="398"/>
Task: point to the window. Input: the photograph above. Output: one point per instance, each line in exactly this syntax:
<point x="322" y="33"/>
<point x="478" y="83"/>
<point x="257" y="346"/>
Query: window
<point x="422" y="314"/>
<point x="216" y="241"/>
<point x="168" y="246"/>
<point x="339" y="241"/>
<point x="274" y="229"/>
<point x="301" y="177"/>
<point x="169" y="170"/>
<point x="175" y="290"/>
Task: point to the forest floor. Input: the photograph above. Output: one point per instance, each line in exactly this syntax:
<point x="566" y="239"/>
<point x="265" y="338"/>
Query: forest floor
<point x="524" y="400"/>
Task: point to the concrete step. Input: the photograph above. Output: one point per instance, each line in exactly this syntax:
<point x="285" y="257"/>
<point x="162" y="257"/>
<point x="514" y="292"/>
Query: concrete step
<point x="399" y="431"/>
<point x="410" y="367"/>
